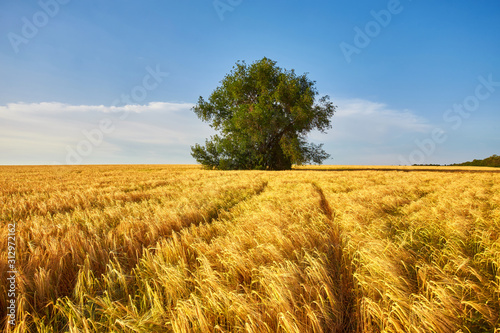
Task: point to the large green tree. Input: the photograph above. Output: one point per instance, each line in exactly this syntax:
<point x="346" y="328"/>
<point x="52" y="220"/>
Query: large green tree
<point x="263" y="114"/>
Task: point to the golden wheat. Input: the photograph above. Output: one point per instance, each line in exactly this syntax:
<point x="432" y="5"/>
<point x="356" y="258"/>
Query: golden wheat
<point x="180" y="249"/>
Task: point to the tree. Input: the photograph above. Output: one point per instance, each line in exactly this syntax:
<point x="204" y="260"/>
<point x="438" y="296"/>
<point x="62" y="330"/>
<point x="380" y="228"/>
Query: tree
<point x="263" y="114"/>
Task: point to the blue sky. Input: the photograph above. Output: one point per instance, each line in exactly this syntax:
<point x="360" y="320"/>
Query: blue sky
<point x="111" y="81"/>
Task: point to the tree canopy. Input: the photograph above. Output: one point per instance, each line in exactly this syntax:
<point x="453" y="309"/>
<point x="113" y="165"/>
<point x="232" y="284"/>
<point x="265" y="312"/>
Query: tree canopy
<point x="262" y="114"/>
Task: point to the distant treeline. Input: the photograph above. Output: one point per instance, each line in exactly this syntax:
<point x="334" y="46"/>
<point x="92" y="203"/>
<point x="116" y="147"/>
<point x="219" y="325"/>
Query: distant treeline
<point x="427" y="165"/>
<point x="492" y="161"/>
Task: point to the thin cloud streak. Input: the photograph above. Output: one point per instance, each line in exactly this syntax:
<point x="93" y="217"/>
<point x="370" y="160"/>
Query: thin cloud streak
<point x="48" y="108"/>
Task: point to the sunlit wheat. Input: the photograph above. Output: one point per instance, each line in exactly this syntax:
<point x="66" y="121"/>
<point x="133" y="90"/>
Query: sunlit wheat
<point x="180" y="249"/>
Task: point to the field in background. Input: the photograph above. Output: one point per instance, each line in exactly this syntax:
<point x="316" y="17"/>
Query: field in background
<point x="396" y="168"/>
<point x="179" y="249"/>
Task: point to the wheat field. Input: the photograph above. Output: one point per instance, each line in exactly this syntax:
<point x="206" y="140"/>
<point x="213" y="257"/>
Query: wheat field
<point x="179" y="249"/>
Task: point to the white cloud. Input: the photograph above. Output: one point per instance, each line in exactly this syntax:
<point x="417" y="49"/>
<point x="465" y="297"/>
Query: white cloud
<point x="366" y="132"/>
<point x="57" y="108"/>
<point x="372" y="122"/>
<point x="44" y="133"/>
